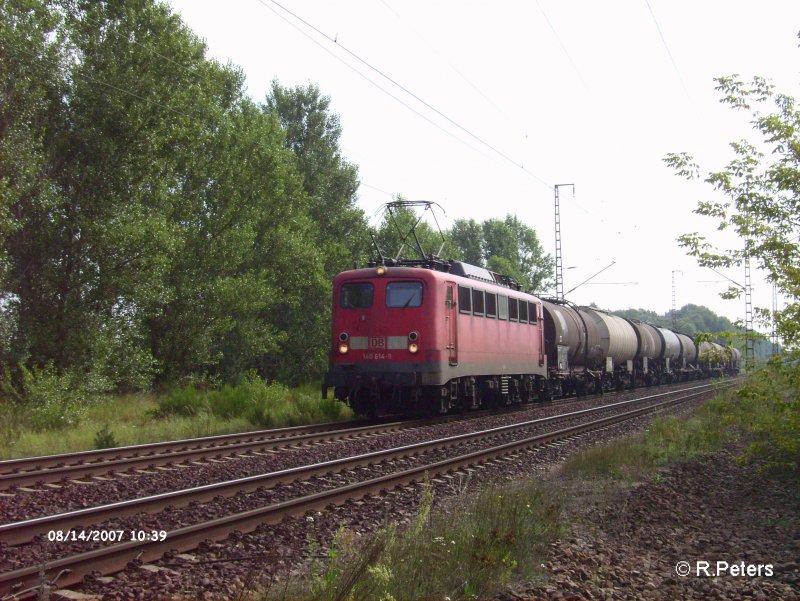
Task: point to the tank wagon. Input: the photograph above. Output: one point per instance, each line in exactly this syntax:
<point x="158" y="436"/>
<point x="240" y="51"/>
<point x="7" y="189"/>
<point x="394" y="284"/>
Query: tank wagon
<point x="590" y="351"/>
<point x="429" y="336"/>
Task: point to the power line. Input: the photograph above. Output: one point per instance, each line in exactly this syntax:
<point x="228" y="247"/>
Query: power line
<point x="362" y="75"/>
<point x="89" y="79"/>
<point x="153" y="51"/>
<point x="595" y="103"/>
<point x="449" y="63"/>
<point x="93" y="80"/>
<point x="409" y="92"/>
<point x="381" y="190"/>
<point x="669" y="53"/>
<point x="202" y="78"/>
<point x="564" y="48"/>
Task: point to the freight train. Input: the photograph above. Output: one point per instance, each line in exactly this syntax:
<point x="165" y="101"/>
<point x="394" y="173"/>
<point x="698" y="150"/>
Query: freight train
<point x="431" y="336"/>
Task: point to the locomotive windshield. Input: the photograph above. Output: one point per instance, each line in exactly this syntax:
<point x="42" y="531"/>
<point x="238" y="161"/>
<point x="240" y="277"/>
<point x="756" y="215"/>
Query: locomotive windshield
<point x="356" y="295"/>
<point x="404" y="294"/>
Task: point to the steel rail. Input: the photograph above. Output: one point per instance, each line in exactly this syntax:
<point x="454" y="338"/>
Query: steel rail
<point x="16" y="533"/>
<point x="52" y="468"/>
<point x="181" y="454"/>
<point x="57" y="460"/>
<point x="116" y="557"/>
<point x="45" y="469"/>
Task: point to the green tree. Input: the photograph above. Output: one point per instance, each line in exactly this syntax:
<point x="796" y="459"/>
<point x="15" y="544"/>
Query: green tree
<point x="151" y="216"/>
<point x="246" y="262"/>
<point x="758" y="196"/>
<point x="31" y="85"/>
<point x="505" y="246"/>
<point x="466" y="236"/>
<point x="312" y="134"/>
<point x="90" y="265"/>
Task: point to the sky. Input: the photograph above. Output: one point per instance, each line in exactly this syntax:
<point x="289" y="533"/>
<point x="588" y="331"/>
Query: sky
<point x="482" y="107"/>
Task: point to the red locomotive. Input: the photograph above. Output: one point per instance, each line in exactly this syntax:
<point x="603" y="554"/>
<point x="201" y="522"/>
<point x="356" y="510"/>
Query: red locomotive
<point x="433" y="335"/>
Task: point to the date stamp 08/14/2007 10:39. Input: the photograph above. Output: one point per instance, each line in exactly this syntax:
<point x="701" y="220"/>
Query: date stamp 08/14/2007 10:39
<point x="111" y="536"/>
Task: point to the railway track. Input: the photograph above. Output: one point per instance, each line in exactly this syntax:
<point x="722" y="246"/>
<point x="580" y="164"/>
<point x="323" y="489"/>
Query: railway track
<point x="51" y="469"/>
<point x="497" y="442"/>
<point x="75" y="466"/>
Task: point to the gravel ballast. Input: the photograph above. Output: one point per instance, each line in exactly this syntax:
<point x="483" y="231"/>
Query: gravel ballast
<point x="631" y="544"/>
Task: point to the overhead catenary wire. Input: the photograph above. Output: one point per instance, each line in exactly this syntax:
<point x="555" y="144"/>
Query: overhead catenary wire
<point x="669" y="53"/>
<point x="381" y="190"/>
<point x="200" y="77"/>
<point x="362" y="75"/>
<point x="596" y="105"/>
<point x="150" y="49"/>
<point x="572" y="63"/>
<point x="89" y="79"/>
<point x="405" y="89"/>
<point x="450" y="64"/>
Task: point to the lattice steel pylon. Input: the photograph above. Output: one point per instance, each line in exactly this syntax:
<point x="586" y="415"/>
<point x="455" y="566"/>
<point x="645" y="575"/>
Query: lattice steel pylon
<point x="674" y="296"/>
<point x="559" y="257"/>
<point x="749" y="343"/>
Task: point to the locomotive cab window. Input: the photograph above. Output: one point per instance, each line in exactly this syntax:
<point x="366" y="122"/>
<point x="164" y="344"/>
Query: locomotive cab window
<point x="477" y="302"/>
<point x="356" y="295"/>
<point x="491" y="305"/>
<point x="464" y="299"/>
<point x="513" y="309"/>
<point x="404" y="294"/>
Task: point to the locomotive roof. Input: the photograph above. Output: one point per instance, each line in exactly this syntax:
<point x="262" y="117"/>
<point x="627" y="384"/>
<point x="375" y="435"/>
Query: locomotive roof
<point x="458" y="268"/>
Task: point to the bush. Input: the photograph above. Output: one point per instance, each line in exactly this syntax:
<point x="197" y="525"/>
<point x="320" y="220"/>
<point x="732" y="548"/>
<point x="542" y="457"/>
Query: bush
<point x="12" y="424"/>
<point x="231" y="401"/>
<point x="501" y="533"/>
<point x="120" y="351"/>
<point x="263" y="404"/>
<point x="104" y="438"/>
<point x="767" y="409"/>
<point x="186" y="401"/>
<point x="51" y="400"/>
<point x="271" y="405"/>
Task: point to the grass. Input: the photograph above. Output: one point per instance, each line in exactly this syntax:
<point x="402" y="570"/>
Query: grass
<point x="501" y="533"/>
<point x="668" y="439"/>
<point x="185" y="412"/>
<point x="129" y="418"/>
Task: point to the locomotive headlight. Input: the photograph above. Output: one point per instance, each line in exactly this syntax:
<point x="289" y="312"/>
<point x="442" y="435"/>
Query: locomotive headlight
<point x="344" y="336"/>
<point x="413" y="336"/>
<point x="412" y="348"/>
<point x="380" y="270"/>
<point x="343" y="348"/>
